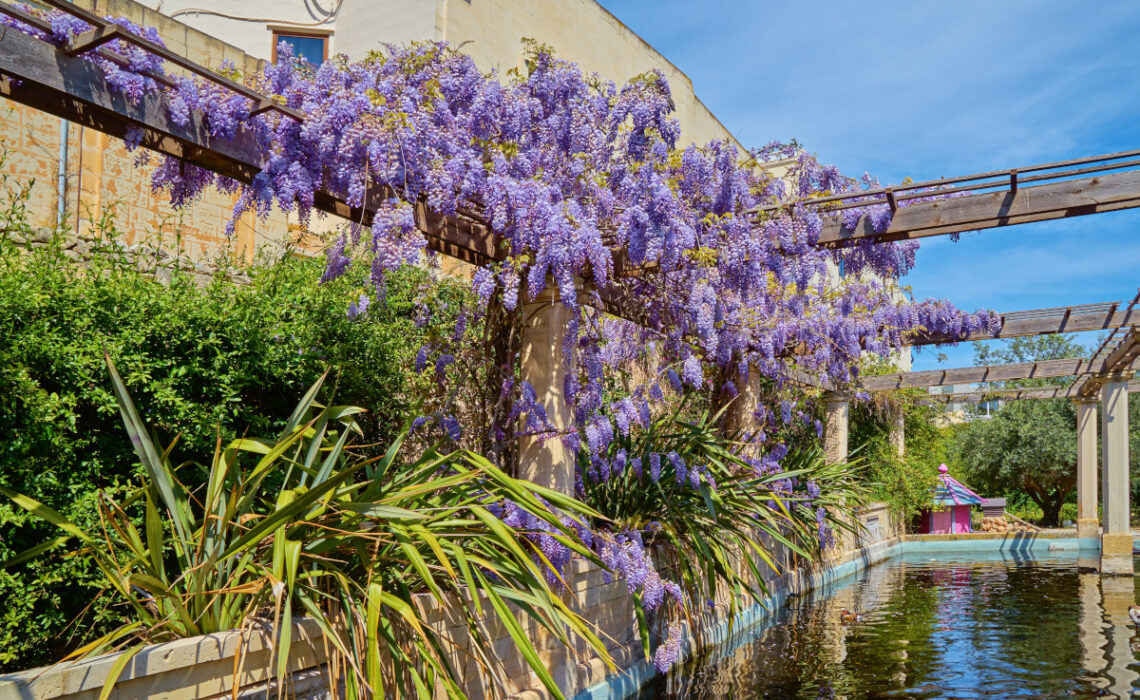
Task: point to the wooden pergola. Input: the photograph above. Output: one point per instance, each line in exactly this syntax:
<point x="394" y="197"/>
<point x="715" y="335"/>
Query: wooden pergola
<point x="58" y="81"/>
<point x="1105" y="378"/>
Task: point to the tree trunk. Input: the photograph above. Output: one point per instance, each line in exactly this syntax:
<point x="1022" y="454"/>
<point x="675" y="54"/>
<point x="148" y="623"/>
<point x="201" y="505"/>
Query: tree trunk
<point x="1051" y="508"/>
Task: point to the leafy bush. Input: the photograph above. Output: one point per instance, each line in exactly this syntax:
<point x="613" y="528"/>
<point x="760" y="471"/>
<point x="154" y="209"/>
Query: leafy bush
<point x="199" y="359"/>
<point x="905" y="482"/>
<point x="302" y="525"/>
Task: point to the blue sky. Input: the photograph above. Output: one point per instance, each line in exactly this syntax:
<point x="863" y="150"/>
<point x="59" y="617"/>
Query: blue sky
<point x="926" y="90"/>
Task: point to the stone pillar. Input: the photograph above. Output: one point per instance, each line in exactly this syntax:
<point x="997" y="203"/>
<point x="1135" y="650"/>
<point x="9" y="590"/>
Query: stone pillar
<point x="1088" y="521"/>
<point x="897" y="434"/>
<point x="1116" y="540"/>
<point x="837" y="406"/>
<point x="547" y="462"/>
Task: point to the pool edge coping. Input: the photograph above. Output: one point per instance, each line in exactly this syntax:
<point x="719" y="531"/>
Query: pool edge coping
<point x="628" y="682"/>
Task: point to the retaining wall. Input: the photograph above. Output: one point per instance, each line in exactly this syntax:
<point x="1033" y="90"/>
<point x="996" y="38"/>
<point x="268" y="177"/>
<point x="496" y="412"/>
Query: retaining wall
<point x="203" y="667"/>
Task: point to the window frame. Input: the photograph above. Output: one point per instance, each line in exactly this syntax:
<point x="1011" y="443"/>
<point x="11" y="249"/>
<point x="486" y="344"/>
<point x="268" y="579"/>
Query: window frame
<point x="278" y="32"/>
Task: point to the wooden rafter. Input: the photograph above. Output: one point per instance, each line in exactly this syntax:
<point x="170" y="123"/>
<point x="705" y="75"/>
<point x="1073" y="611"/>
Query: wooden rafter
<point x="985" y="200"/>
<point x="1120" y="360"/>
<point x="1014" y="394"/>
<point x="1063" y="319"/>
<point x="971" y="375"/>
<point x="1056" y="200"/>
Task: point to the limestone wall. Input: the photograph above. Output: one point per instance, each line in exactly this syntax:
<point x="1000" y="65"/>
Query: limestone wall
<point x="103" y="180"/>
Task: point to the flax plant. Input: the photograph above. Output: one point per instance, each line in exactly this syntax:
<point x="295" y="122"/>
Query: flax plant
<point x="718" y="533"/>
<point x="303" y="526"/>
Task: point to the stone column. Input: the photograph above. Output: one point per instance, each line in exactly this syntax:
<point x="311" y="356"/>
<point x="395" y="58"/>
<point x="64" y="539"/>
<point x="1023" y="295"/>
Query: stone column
<point x="1088" y="521"/>
<point x="1116" y="540"/>
<point x="837" y="406"/>
<point x="742" y="412"/>
<point x="547" y="462"/>
<point x="897" y="434"/>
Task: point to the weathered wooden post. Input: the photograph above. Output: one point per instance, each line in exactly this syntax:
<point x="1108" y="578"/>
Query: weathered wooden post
<point x="547" y="462"/>
<point x="1088" y="521"/>
<point x="1116" y="540"/>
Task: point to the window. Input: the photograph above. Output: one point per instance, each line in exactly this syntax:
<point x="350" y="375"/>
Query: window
<point x="311" y="46"/>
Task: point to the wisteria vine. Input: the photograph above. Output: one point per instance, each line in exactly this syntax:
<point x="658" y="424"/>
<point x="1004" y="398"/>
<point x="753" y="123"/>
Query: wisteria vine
<point x="588" y="191"/>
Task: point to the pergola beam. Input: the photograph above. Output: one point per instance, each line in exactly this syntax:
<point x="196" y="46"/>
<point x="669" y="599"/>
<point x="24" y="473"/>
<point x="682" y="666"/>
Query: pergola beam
<point x="971" y="375"/>
<point x="1122" y="359"/>
<point x="1054" y="200"/>
<point x="1063" y="319"/>
<point x="1014" y="394"/>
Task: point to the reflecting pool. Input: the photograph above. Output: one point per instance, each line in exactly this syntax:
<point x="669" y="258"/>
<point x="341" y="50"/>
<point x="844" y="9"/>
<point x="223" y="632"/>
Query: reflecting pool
<point x="945" y="628"/>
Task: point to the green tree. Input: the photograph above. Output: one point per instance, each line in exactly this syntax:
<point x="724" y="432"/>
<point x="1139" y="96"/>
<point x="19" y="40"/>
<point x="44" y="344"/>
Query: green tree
<point x="1025" y="446"/>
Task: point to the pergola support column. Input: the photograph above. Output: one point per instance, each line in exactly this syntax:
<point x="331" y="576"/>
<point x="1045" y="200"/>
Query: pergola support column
<point x="547" y="462"/>
<point x="1116" y="539"/>
<point x="837" y="409"/>
<point x="1088" y="521"/>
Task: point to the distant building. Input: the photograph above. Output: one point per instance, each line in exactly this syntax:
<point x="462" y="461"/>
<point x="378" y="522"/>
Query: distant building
<point x="963" y="411"/>
<point x="490" y="31"/>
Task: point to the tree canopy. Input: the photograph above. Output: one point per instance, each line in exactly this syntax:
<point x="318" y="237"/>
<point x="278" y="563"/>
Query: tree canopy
<point x="1027" y="446"/>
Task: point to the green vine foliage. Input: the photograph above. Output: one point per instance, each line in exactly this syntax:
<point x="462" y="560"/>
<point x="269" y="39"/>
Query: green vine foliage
<point x="905" y="482"/>
<point x="200" y="360"/>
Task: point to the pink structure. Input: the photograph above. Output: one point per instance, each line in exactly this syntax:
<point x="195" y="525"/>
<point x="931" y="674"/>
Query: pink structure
<point x="949" y="513"/>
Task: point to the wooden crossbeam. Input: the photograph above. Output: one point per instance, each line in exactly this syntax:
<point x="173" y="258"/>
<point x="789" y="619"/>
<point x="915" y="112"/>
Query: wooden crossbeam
<point x="1054" y="200"/>
<point x="972" y="375"/>
<point x="93" y="38"/>
<point x="1122" y="359"/>
<point x="1065" y="319"/>
<point x="1014" y="394"/>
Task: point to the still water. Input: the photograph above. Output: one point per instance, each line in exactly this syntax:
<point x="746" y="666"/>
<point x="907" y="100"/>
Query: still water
<point x="945" y="628"/>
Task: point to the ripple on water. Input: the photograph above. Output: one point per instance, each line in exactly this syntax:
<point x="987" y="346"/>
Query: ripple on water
<point x="934" y="629"/>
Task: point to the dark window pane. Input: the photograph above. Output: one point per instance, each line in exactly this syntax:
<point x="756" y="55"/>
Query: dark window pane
<point x="311" y="48"/>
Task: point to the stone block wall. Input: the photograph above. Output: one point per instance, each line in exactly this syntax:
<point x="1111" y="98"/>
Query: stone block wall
<point x="103" y="179"/>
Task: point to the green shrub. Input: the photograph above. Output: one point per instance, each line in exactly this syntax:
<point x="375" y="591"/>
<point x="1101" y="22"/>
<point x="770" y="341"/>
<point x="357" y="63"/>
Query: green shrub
<point x="1068" y="512"/>
<point x="304" y="524"/>
<point x="223" y="357"/>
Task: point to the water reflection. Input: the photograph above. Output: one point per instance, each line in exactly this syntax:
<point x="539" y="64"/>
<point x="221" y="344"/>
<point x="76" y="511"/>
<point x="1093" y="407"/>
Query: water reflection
<point x="1004" y="628"/>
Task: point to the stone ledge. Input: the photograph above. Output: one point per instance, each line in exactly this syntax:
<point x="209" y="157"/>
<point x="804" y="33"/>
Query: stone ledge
<point x="197" y="667"/>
